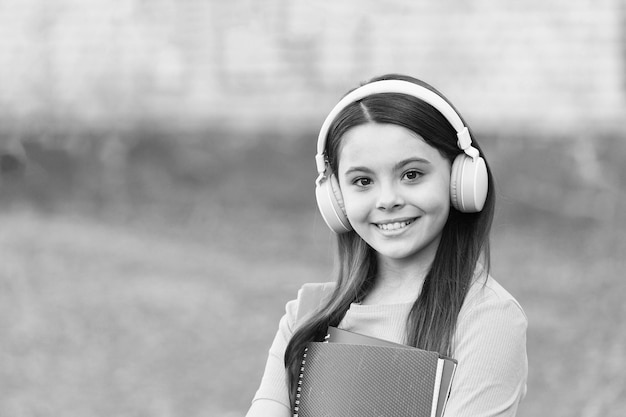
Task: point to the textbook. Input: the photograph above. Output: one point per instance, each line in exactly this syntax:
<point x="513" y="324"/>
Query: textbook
<point x="336" y="335"/>
<point x="352" y="375"/>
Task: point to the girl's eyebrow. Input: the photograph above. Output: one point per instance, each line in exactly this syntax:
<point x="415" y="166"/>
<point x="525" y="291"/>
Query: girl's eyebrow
<point x="408" y="161"/>
<point x="357" y="169"/>
<point x="396" y="167"/>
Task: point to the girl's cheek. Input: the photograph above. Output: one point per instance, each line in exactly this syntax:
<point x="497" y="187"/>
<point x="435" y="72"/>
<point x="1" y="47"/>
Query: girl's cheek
<point x="356" y="205"/>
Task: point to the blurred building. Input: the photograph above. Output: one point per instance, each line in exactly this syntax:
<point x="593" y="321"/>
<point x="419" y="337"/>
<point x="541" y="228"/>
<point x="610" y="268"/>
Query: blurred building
<point x="533" y="66"/>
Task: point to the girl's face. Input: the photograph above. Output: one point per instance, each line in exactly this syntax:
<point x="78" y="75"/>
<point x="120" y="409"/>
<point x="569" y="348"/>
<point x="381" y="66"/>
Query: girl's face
<point x="395" y="189"/>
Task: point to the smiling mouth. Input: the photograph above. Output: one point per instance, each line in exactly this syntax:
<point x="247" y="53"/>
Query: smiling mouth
<point x="394" y="225"/>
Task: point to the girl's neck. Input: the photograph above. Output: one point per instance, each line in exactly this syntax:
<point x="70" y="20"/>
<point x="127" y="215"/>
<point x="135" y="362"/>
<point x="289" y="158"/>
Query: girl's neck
<point x="397" y="282"/>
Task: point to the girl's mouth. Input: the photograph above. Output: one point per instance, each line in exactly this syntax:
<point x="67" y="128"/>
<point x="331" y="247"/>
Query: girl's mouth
<point x="394" y="225"/>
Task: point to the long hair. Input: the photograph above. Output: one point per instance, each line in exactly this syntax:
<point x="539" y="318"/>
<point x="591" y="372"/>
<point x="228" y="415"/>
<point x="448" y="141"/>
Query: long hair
<point x="464" y="242"/>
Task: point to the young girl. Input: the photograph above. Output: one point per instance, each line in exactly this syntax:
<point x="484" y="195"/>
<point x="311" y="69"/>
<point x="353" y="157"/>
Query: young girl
<point x="411" y="198"/>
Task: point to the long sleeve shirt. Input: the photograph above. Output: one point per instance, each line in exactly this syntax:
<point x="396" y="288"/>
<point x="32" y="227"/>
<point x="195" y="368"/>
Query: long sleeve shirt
<point x="489" y="345"/>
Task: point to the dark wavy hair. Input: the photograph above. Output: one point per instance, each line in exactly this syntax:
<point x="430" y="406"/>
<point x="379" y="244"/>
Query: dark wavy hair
<point x="464" y="243"/>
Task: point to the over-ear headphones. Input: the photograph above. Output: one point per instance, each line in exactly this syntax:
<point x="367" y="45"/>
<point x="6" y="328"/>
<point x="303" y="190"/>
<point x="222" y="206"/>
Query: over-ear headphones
<point x="468" y="181"/>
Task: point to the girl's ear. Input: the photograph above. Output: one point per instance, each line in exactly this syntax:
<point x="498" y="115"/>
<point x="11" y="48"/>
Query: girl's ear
<point x="331" y="206"/>
<point x="468" y="183"/>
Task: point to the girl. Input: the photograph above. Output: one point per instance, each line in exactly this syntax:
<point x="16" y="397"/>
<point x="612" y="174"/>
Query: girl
<point x="412" y="201"/>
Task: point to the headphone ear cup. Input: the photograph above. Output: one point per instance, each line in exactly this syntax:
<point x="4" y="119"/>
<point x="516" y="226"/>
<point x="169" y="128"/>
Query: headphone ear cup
<point x="330" y="204"/>
<point x="468" y="184"/>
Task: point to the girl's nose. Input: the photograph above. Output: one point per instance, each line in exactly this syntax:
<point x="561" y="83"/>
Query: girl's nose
<point x="389" y="198"/>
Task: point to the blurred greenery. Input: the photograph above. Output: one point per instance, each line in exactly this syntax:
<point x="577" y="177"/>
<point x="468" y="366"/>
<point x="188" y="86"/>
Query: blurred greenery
<point x="152" y="284"/>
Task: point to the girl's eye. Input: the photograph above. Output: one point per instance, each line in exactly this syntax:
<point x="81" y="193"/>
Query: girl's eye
<point x="362" y="182"/>
<point x="412" y="175"/>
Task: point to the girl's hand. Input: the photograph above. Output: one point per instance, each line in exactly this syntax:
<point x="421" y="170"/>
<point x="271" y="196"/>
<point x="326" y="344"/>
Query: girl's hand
<point x="268" y="408"/>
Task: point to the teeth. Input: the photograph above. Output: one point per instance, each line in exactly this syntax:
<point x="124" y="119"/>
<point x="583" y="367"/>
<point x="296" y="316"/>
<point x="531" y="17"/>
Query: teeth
<point x="394" y="226"/>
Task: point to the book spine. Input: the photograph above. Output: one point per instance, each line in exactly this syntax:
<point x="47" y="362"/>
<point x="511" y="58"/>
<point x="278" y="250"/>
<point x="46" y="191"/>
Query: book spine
<point x="297" y="402"/>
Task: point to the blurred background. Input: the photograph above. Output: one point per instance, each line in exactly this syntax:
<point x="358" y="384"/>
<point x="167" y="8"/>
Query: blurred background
<point x="157" y="177"/>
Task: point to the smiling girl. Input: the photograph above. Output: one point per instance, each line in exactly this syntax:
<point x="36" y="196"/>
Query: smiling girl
<point x="411" y="198"/>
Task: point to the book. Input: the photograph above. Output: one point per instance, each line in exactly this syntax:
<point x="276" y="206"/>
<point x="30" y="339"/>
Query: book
<point x="336" y="335"/>
<point x="352" y="375"/>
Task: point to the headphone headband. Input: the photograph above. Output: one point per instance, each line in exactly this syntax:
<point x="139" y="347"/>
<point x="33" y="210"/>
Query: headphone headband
<point x="395" y="86"/>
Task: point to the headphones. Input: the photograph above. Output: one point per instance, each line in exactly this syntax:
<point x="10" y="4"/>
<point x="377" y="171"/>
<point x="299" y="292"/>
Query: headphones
<point x="468" y="181"/>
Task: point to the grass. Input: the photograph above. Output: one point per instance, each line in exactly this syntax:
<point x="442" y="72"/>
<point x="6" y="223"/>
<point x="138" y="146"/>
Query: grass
<point x="165" y="305"/>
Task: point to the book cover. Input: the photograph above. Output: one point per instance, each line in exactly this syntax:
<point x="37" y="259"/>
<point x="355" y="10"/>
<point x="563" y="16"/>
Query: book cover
<point x="336" y="335"/>
<point x="350" y="380"/>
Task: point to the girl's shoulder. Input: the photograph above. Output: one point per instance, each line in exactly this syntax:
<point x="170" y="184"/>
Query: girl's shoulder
<point x="488" y="294"/>
<point x="310" y="297"/>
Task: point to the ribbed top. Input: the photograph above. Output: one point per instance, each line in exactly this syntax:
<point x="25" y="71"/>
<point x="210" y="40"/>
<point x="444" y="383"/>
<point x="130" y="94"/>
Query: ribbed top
<point x="383" y="321"/>
<point x="489" y="345"/>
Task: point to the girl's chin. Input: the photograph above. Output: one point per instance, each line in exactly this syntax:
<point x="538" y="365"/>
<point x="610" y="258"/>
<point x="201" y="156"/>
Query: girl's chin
<point x="404" y="249"/>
